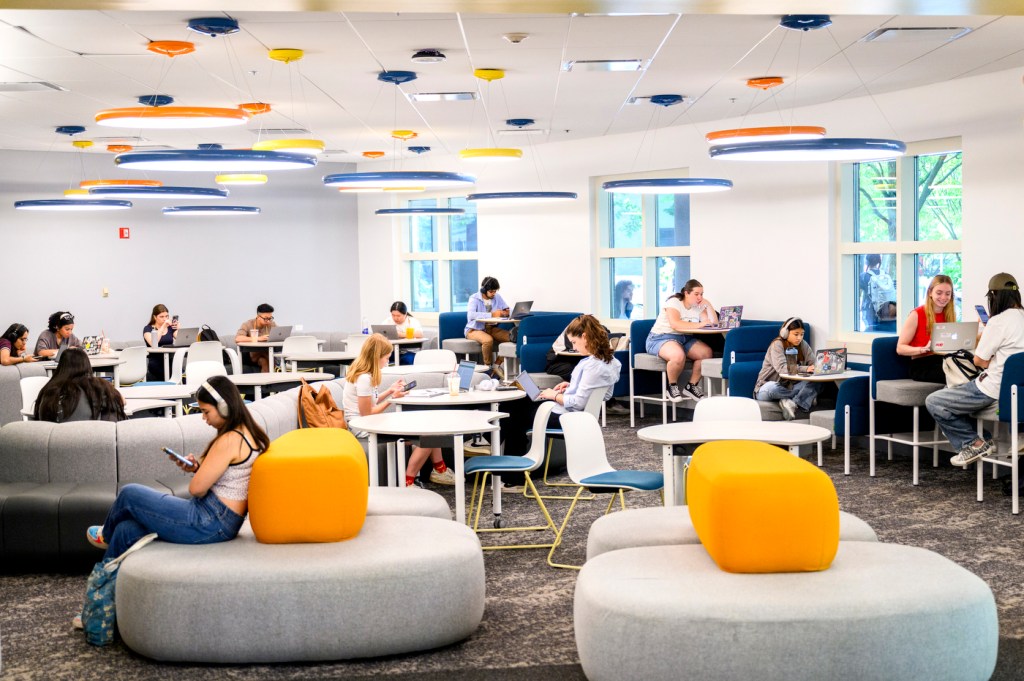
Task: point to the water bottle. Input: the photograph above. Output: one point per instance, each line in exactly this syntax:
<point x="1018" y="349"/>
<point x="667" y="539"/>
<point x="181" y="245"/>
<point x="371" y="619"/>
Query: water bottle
<point x="366" y="327"/>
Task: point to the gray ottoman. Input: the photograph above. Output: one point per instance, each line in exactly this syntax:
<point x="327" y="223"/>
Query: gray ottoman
<point x="461" y="346"/>
<point x="404" y="584"/>
<point x="882" y="611"/>
<point x="407" y="501"/>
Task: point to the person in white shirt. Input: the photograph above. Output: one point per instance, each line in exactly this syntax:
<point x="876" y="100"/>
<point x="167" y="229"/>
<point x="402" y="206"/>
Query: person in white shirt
<point x="1003" y="336"/>
<point x="403" y="321"/>
<point x="362" y="397"/>
<point x="682" y="312"/>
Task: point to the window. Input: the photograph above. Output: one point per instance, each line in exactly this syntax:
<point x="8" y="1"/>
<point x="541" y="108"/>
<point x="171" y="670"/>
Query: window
<point x="439" y="253"/>
<point x="901" y="226"/>
<point x="644" y="251"/>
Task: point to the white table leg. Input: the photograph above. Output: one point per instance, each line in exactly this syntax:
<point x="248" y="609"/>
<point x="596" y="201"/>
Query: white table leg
<point x="117" y="375"/>
<point x="270" y="358"/>
<point x="167" y="366"/>
<point x="668" y="470"/>
<point x="371" y="458"/>
<point x="179" y="408"/>
<point x="257" y="392"/>
<point x="460" y="480"/>
<point x="795" y="450"/>
<point x="396" y="354"/>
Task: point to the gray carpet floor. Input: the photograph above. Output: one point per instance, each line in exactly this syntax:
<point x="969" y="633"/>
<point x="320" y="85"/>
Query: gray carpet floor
<point x="527" y="630"/>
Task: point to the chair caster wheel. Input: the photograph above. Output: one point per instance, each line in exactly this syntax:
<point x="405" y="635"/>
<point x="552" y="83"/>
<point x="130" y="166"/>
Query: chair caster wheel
<point x="498" y="523"/>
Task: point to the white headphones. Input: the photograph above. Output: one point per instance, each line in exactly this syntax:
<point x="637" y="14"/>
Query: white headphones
<point x="222" y="405"/>
<point x="487" y="384"/>
<point x="784" y="330"/>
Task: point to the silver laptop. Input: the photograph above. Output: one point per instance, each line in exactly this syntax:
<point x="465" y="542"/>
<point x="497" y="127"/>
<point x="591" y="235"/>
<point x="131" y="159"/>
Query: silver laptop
<point x="389" y="331"/>
<point x="279" y="333"/>
<point x="186" y="337"/>
<point x="522" y="309"/>
<point x="728" y="317"/>
<point x="947" y="338"/>
<point x="532" y="391"/>
<point x="829" y="361"/>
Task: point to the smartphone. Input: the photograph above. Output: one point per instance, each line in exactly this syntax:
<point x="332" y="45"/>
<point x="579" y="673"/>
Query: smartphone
<point x="179" y="457"/>
<point x="982" y="314"/>
<point x="410" y="385"/>
<point x="174" y="319"/>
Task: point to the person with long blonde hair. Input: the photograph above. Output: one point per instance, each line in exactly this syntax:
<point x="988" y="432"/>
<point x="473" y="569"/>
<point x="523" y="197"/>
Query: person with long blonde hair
<point x="362" y="397"/>
<point x="916" y="335"/>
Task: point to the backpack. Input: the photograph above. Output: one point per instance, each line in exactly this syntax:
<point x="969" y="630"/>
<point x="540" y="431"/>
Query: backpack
<point x="318" y="409"/>
<point x="99" y="615"/>
<point x="881" y="292"/>
<point x="207" y="334"/>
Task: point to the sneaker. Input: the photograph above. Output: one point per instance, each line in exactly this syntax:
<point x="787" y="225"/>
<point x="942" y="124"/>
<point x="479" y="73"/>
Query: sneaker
<point x="446" y="478"/>
<point x="674" y="393"/>
<point x="498" y="372"/>
<point x="95" y="536"/>
<point x="76" y="622"/>
<point x="971" y="453"/>
<point x="788" y="408"/>
<point x="616" y="408"/>
<point x="416" y="482"/>
<point x="694" y="391"/>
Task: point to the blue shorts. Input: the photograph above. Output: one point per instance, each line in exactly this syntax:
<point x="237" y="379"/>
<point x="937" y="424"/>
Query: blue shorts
<point x="656" y="340"/>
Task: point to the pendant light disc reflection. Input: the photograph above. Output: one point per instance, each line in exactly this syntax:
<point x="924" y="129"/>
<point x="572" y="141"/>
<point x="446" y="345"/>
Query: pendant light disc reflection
<point x="668" y="185"/>
<point x="838" y="149"/>
<point x="210" y="211"/>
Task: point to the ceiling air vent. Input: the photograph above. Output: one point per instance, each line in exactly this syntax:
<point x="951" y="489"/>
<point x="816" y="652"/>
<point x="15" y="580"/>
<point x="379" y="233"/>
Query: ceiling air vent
<point x="916" y="35"/>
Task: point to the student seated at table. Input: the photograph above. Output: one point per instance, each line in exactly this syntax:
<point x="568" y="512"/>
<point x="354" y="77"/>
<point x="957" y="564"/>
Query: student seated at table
<point x="262" y="323"/>
<point x="403" y="321"/>
<point x="484" y="304"/>
<point x="562" y="365"/>
<point x="160" y="332"/>
<point x="683" y="311"/>
<point x="953" y="408"/>
<point x="59" y="332"/>
<point x="916" y="335"/>
<point x="75" y="394"/>
<point x="788" y="354"/>
<point x="362" y="397"/>
<point x="12" y="346"/>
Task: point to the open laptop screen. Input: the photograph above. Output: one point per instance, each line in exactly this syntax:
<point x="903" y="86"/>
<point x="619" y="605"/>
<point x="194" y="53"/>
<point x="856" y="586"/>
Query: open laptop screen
<point x="532" y="391"/>
<point x="466" y="370"/>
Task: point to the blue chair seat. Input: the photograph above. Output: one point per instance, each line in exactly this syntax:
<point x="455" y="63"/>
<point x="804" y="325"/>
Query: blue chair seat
<point x="152" y="383"/>
<point x="549" y="431"/>
<point x="639" y="480"/>
<point x="498" y="463"/>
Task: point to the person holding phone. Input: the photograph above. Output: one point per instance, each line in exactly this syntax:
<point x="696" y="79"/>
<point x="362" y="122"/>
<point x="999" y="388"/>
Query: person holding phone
<point x="916" y="335"/>
<point x="484" y="304"/>
<point x="362" y="397"/>
<point x="219" y="485"/>
<point x="12" y="346"/>
<point x="160" y="332"/>
<point x="59" y="333"/>
<point x="683" y="311"/>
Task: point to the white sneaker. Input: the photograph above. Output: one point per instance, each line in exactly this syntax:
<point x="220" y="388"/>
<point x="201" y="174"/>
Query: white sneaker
<point x="446" y="478"/>
<point x="788" y="408"/>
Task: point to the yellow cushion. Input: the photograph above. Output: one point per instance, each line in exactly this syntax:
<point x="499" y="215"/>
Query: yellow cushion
<point x="311" y="485"/>
<point x="758" y="508"/>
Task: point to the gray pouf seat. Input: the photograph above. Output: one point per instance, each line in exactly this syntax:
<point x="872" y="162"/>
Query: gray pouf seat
<point x="671" y="525"/>
<point x="461" y="346"/>
<point x="407" y="501"/>
<point x="905" y="391"/>
<point x="403" y="584"/>
<point x="881" y="611"/>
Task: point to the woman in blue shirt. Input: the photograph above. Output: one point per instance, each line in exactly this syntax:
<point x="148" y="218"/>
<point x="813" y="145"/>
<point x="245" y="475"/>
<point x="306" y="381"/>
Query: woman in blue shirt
<point x="483" y="305"/>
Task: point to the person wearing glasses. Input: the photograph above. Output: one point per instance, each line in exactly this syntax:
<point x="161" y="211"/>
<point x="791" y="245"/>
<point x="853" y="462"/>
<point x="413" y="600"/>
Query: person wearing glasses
<point x="12" y="346"/>
<point x="59" y="332"/>
<point x="262" y="323"/>
<point x="485" y="304"/>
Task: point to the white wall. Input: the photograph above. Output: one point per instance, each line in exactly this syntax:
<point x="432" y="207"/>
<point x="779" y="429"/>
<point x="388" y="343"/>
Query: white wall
<point x="768" y="243"/>
<point x="300" y="254"/>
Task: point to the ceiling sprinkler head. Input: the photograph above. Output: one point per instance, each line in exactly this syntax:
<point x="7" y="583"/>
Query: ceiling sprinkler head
<point x="516" y="38"/>
<point x="430" y="56"/>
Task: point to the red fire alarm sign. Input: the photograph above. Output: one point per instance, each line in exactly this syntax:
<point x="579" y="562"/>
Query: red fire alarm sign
<point x="124" y="232"/>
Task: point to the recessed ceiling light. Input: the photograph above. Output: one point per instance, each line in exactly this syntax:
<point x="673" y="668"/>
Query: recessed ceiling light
<point x="603" y="65"/>
<point x="440" y="96"/>
<point x="914" y="35"/>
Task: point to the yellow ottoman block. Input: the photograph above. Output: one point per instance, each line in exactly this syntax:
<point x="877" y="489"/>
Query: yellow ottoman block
<point x="311" y="485"/>
<point x="758" y="508"/>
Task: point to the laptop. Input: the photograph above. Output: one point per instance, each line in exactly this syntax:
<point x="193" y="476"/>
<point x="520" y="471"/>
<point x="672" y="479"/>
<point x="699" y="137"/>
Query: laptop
<point x="91" y="345"/>
<point x="185" y="337"/>
<point x="466" y="370"/>
<point x="527" y="384"/>
<point x="522" y="309"/>
<point x="279" y="333"/>
<point x="947" y="338"/>
<point x="828" y="362"/>
<point x="389" y="331"/>
<point x="728" y="317"/>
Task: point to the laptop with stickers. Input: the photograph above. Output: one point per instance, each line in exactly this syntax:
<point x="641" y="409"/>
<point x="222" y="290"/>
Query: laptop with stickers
<point x="828" y="362"/>
<point x="948" y="338"/>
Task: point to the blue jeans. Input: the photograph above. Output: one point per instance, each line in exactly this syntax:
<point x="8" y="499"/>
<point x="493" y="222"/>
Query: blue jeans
<point x="656" y="340"/>
<point x="803" y="393"/>
<point x="139" y="510"/>
<point x="951" y="409"/>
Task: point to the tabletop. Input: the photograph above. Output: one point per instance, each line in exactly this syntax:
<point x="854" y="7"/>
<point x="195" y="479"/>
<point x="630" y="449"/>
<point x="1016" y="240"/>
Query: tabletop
<point x="815" y="378"/>
<point x="440" y="397"/>
<point x="97" y="362"/>
<point x="448" y="422"/>
<point x="772" y="432"/>
<point x="499" y="320"/>
<point x="424" y="368"/>
<point x="322" y="356"/>
<point x="133" y="405"/>
<point x="273" y="377"/>
<point x="260" y="344"/>
<point x="174" y="391"/>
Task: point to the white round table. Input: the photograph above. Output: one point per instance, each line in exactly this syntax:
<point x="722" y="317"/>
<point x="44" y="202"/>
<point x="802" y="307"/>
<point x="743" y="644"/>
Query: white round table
<point x="175" y="392"/>
<point x="339" y="357"/>
<point x="783" y="433"/>
<point x="425" y="368"/>
<point x="259" y="380"/>
<point x="107" y="361"/>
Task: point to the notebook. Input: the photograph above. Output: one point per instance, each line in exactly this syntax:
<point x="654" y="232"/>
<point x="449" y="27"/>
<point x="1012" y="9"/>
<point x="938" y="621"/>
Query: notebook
<point x="520" y="310"/>
<point x="186" y="337"/>
<point x="527" y="384"/>
<point x="947" y="338"/>
<point x="389" y="331"/>
<point x="828" y="362"/>
<point x="728" y="317"/>
<point x="279" y="333"/>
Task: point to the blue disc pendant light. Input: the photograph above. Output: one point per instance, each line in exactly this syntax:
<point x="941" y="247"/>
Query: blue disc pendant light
<point x="211" y="210"/>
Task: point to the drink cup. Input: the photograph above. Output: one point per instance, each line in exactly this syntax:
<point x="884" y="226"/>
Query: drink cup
<point x="408" y="332"/>
<point x="453" y="385"/>
<point x="254" y="334"/>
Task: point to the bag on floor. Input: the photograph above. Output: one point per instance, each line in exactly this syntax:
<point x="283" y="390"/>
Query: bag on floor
<point x="99" y="618"/>
<point x="318" y="409"/>
<point x="959" y="368"/>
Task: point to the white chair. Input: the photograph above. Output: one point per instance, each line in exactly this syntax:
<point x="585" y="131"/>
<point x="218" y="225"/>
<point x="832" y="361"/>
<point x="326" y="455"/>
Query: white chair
<point x="727" y="408"/>
<point x="136" y="365"/>
<point x="482" y="466"/>
<point x="302" y="344"/>
<point x="202" y="371"/>
<point x="446" y="357"/>
<point x="30" y="387"/>
<point x="588" y="467"/>
<point x="177" y="365"/>
<point x="205" y="351"/>
<point x="594" y="407"/>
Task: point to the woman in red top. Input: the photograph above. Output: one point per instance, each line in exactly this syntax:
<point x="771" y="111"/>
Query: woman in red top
<point x="916" y="335"/>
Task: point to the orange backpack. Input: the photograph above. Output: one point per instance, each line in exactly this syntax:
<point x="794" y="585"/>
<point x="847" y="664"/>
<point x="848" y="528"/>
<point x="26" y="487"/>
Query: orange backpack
<point x="318" y="409"/>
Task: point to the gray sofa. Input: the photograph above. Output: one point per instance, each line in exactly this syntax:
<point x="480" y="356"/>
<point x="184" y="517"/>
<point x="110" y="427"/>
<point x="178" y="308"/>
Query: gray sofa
<point x="10" y="389"/>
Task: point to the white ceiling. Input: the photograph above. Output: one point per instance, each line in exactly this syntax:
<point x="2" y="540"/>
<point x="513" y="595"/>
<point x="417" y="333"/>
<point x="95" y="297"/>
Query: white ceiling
<point x="99" y="58"/>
